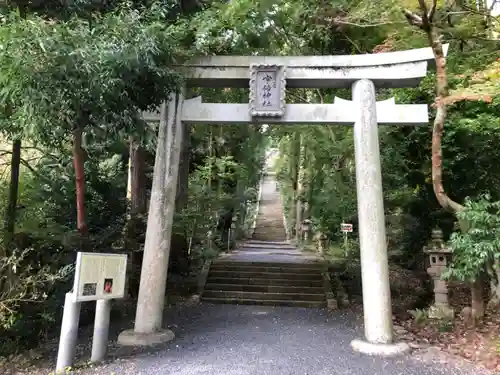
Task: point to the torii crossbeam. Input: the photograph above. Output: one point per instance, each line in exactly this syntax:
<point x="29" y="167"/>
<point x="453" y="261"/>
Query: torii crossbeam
<point x="341" y="112"/>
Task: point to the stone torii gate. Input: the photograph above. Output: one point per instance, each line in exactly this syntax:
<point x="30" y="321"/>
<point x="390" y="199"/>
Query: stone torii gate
<point x="268" y="77"/>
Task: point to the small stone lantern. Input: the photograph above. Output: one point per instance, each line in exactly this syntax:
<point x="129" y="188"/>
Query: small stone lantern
<point x="439" y="258"/>
<point x="322" y="242"/>
<point x="306" y="229"/>
<point x="210" y="240"/>
<point x="232" y="233"/>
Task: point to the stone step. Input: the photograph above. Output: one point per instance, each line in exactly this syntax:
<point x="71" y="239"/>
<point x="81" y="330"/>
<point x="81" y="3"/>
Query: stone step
<point x="274" y="223"/>
<point x="266" y="288"/>
<point x="263" y="238"/>
<point x="268" y="221"/>
<point x="266" y="281"/>
<point x="269" y="226"/>
<point x="269" y="245"/>
<point x="231" y="294"/>
<point x="312" y="265"/>
<point x="237" y="301"/>
<point x="271" y="235"/>
<point x="236" y="274"/>
<point x="273" y="243"/>
<point x="234" y="267"/>
<point x="270" y="230"/>
<point x="286" y="252"/>
<point x="247" y="245"/>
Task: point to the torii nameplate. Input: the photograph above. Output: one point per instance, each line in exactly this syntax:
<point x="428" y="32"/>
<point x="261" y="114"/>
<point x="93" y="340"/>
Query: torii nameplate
<point x="267" y="90"/>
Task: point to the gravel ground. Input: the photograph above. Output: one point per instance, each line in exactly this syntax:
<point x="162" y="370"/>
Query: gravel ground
<point x="254" y="340"/>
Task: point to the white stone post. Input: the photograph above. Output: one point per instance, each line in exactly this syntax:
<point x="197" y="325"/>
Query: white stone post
<point x="101" y="330"/>
<point x="374" y="260"/>
<point x="148" y="328"/>
<point x="69" y="333"/>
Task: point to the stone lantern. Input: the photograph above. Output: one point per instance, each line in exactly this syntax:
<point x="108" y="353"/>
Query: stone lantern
<point x="210" y="240"/>
<point x="439" y="258"/>
<point x="306" y="229"/>
<point x="232" y="233"/>
<point x="322" y="241"/>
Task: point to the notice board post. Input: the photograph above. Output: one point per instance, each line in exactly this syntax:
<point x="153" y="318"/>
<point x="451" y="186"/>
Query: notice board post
<point x="346" y="228"/>
<point x="98" y="277"/>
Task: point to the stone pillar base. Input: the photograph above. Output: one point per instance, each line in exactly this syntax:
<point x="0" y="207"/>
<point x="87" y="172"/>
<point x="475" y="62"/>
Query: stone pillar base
<point x="381" y="350"/>
<point x="132" y="338"/>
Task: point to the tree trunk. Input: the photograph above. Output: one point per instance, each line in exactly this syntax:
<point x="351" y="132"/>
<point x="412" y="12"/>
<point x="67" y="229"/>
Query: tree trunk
<point x="495" y="283"/>
<point x="136" y="225"/>
<point x="10" y="214"/>
<point x="494" y="296"/>
<point x="138" y="198"/>
<point x="179" y="256"/>
<point x="438" y="127"/>
<point x="300" y="189"/>
<point x="294" y="177"/>
<point x="79" y="162"/>
<point x="426" y="23"/>
<point x="477" y="298"/>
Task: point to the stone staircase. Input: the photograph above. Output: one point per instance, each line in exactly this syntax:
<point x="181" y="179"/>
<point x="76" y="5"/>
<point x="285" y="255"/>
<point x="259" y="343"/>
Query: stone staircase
<point x="270" y="225"/>
<point x="267" y="270"/>
<point x="260" y="283"/>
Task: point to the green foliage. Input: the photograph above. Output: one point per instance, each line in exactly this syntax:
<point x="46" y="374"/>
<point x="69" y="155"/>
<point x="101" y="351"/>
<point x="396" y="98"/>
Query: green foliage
<point x="60" y="75"/>
<point x="476" y="249"/>
<point x="24" y="281"/>
<point x="26" y="297"/>
<point x="222" y="184"/>
<point x="45" y="240"/>
<point x="420" y="316"/>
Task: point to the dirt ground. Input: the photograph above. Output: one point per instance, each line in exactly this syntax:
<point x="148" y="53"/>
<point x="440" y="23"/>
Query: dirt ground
<point x="413" y="291"/>
<point x="479" y="344"/>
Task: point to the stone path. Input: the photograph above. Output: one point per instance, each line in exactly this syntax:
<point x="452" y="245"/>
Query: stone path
<point x="270" y="226"/>
<point x="268" y="243"/>
<point x="258" y="340"/>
